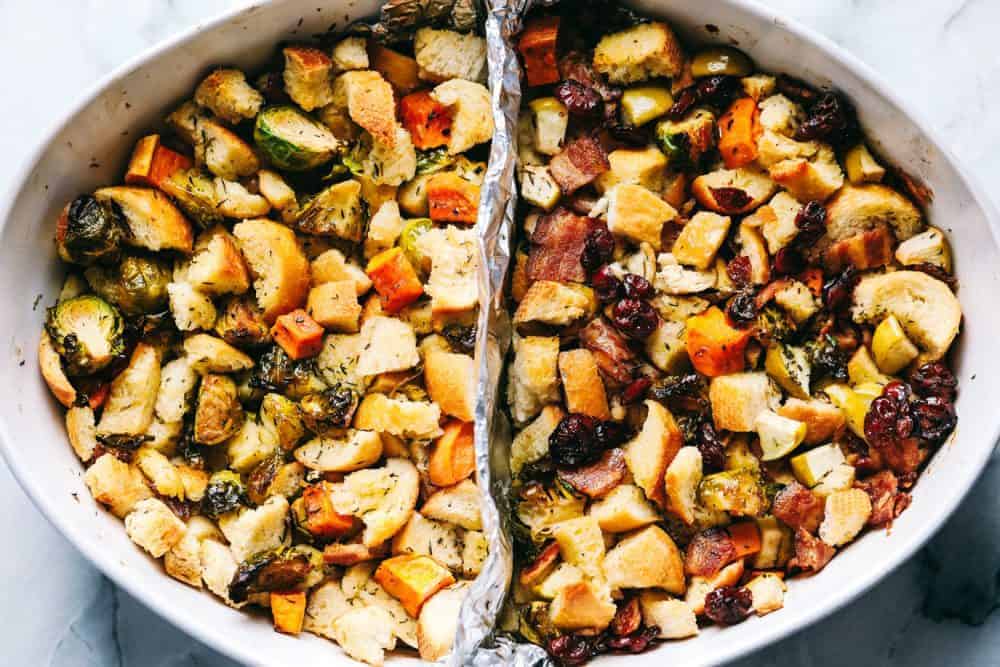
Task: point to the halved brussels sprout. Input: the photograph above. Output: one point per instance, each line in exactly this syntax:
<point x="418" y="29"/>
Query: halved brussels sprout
<point x="86" y="331"/>
<point x="90" y="231"/>
<point x="277" y="372"/>
<point x="241" y="322"/>
<point x="738" y="492"/>
<point x="434" y="160"/>
<point x="408" y="241"/>
<point x="281" y="416"/>
<point x="292" y="140"/>
<point x="328" y="410"/>
<point x="136" y="285"/>
<point x="225" y="492"/>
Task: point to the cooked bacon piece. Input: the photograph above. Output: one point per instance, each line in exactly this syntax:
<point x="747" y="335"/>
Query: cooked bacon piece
<point x="798" y="507"/>
<point x="708" y="552"/>
<point x="903" y="455"/>
<point x="599" y="478"/>
<point x="811" y="553"/>
<point x="578" y="164"/>
<point x="611" y="351"/>
<point x="557" y="245"/>
<point x="577" y="67"/>
<point x="541" y="566"/>
<point x="888" y="501"/>
<point x="866" y="250"/>
<point x="351" y="554"/>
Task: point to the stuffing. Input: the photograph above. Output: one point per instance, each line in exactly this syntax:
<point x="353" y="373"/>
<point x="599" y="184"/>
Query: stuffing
<point x="387" y="344"/>
<point x="116" y="484"/>
<point x="681" y="484"/>
<point x="217" y="266"/>
<point x="384" y="229"/>
<point x="278" y="194"/>
<point x="930" y="247"/>
<point x="738" y="398"/>
<point x="384" y="498"/>
<point x="555" y="304"/>
<point x="472" y="113"/>
<point x="335" y="211"/>
<point x="50" y="364"/>
<point x="667" y="347"/>
<point x="192" y="310"/>
<point x="845" y="513"/>
<point x="823" y="420"/>
<point x="474" y="552"/>
<point x="674" y="279"/>
<point x="533" y="382"/>
<point x="307" y="76"/>
<point x="183" y="561"/>
<point x="249" y="446"/>
<point x="673" y="617"/>
<point x="440" y="541"/>
<point x="860" y="208"/>
<point x="82" y="431"/>
<point x="350" y="53"/>
<point x="454" y="254"/>
<point x="759" y="86"/>
<point x="445" y="54"/>
<point x="644" y="51"/>
<point x="578" y="164"/>
<point x="624" y="509"/>
<point x="638" y="214"/>
<point x="216" y="147"/>
<point x="399" y="417"/>
<point x="538" y="188"/>
<point x="278" y="265"/>
<point x="132" y="398"/>
<point x="582" y="385"/>
<point x="810" y="180"/>
<point x="777" y="219"/>
<point x="768" y="593"/>
<point x="252" y="531"/>
<point x="797" y="300"/>
<point x="160" y="472"/>
<point x="700" y="238"/>
<point x="780" y="114"/>
<point x="773" y="147"/>
<point x="154" y="223"/>
<point x="218" y="567"/>
<point x="369" y="102"/>
<point x="650" y="452"/>
<point x="226" y="93"/>
<point x="733" y="191"/>
<point x="365" y="633"/>
<point x="334" y="306"/>
<point x="154" y="527"/>
<point x="439" y="621"/>
<point x="457" y="504"/>
<point x="580" y="607"/>
<point x="451" y="383"/>
<point x="210" y="354"/>
<point x="532" y="442"/>
<point x="645" y="167"/>
<point x="392" y="163"/>
<point x="332" y="266"/>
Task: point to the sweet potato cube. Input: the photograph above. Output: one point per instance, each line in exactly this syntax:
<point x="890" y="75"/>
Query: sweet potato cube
<point x="151" y="162"/>
<point x="298" y="334"/>
<point x="289" y="611"/>
<point x="402" y="72"/>
<point x="394" y="279"/>
<point x="454" y="455"/>
<point x="714" y="346"/>
<point x="412" y="579"/>
<point x="745" y="537"/>
<point x="538" y="48"/>
<point x="451" y="198"/>
<point x="427" y="120"/>
<point x="739" y="129"/>
<point x="314" y="512"/>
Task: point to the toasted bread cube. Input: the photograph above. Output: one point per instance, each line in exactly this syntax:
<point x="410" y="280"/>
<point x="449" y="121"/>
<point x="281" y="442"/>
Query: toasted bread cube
<point x="681" y="483"/>
<point x="768" y="593"/>
<point x="50" y="363"/>
<point x="538" y="188"/>
<point x="579" y="607"/>
<point x="777" y="220"/>
<point x="532" y="380"/>
<point x="451" y="383"/>
<point x="822" y="419"/>
<point x="759" y="86"/>
<point x="350" y="53"/>
<point x="625" y="508"/>
<point x="335" y="306"/>
<point x="154" y="527"/>
<point x="581" y="543"/>
<point x="252" y="531"/>
<point x="457" y="504"/>
<point x="116" y="484"/>
<point x="132" y="398"/>
<point x="211" y="354"/>
<point x="288" y="610"/>
<point x="365" y="633"/>
<point x="307" y="76"/>
<point x="646" y="559"/>
<point x="332" y="266"/>
<point x="160" y="472"/>
<point x="413" y="579"/>
<point x="700" y="239"/>
<point x="369" y="101"/>
<point x="279" y="267"/>
<point x="650" y="452"/>
<point x="673" y="617"/>
<point x="439" y="621"/>
<point x="82" y="431"/>
<point x="217" y="266"/>
<point x="644" y="167"/>
<point x="183" y="561"/>
<point x="797" y="300"/>
<point x="398" y="417"/>
<point x="441" y="541"/>
<point x="582" y="384"/>
<point x="474" y="552"/>
<point x="445" y="54"/>
<point x="327" y="602"/>
<point x="384" y="229"/>
<point x="738" y="398"/>
<point x="807" y="180"/>
<point x="387" y="345"/>
<point x="278" y="193"/>
<point x="454" y="257"/>
<point x="637" y="214"/>
<point x="472" y="109"/>
<point x="191" y="309"/>
<point x="644" y="51"/>
<point x="154" y="222"/>
<point x="532" y="442"/>
<point x="555" y="304"/>
<point x="846" y="512"/>
<point x="399" y="70"/>
<point x="218" y="566"/>
<point x="667" y="347"/>
<point x="228" y="95"/>
<point x="699" y="587"/>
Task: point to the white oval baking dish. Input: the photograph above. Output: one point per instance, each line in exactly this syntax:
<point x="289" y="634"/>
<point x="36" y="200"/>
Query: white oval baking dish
<point x="88" y="149"/>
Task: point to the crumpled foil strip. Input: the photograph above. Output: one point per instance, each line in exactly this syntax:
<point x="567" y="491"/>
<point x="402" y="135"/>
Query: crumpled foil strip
<point x="476" y="642"/>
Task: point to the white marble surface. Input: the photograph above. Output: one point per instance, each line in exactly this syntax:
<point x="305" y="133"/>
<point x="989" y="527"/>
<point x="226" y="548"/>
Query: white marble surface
<point x="939" y="55"/>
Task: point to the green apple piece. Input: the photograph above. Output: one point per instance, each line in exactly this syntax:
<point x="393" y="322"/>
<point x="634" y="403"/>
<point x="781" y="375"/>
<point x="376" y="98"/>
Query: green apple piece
<point x="779" y="436"/>
<point x="812" y="466"/>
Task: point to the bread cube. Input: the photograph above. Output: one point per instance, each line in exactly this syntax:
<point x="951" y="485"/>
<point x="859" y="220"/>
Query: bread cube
<point x="582" y="384"/>
<point x="644" y="51"/>
<point x="154" y="527"/>
<point x="445" y="54"/>
<point x="334" y="306"/>
<point x="638" y="214"/>
<point x="451" y="383"/>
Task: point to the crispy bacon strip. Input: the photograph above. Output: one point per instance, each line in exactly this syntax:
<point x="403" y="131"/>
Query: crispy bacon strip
<point x="888" y="501"/>
<point x="611" y="351"/>
<point x="600" y="478"/>
<point x="708" y="552"/>
<point x="541" y="566"/>
<point x="798" y="507"/>
<point x="578" y="164"/>
<point x="557" y="245"/>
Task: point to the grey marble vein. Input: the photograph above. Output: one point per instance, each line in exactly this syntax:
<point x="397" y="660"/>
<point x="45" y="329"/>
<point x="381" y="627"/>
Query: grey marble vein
<point x="939" y="608"/>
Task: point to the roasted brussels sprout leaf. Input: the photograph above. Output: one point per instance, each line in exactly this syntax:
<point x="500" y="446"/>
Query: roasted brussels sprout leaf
<point x="433" y="160"/>
<point x="137" y="285"/>
<point x="224" y="493"/>
<point x="408" y="241"/>
<point x="328" y="410"/>
<point x="91" y="231"/>
<point x="268" y="572"/>
<point x="292" y="140"/>
<point x="277" y="372"/>
<point x="86" y="331"/>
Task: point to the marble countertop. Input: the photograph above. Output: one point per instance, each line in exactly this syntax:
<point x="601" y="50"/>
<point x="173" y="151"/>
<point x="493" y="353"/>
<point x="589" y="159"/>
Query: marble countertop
<point x="940" y="55"/>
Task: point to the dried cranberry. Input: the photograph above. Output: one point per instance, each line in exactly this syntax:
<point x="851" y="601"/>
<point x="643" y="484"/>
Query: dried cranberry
<point x="574" y="443"/>
<point x="609" y="434"/>
<point x="811" y="221"/>
<point x="636" y="642"/>
<point x="795" y="89"/>
<point x="742" y="309"/>
<point x="740" y="270"/>
<point x="789" y="261"/>
<point x="571" y="649"/>
<point x="685" y="101"/>
<point x="934" y="379"/>
<point x="935" y="418"/>
<point x="837" y="291"/>
<point x="935" y="271"/>
<point x="831" y="119"/>
<point x="636" y="390"/>
<point x="598" y="249"/>
<point x="628" y="134"/>
<point x="889" y="417"/>
<point x="713" y="450"/>
<point x="580" y="100"/>
<point x="731" y="199"/>
<point x="635" y="318"/>
<point x="606" y="286"/>
<point x="636" y="287"/>
<point x="728" y="605"/>
<point x="718" y="91"/>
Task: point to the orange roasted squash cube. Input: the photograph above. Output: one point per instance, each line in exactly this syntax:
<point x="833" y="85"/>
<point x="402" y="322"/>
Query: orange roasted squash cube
<point x="151" y="162"/>
<point x="401" y="71"/>
<point x="538" y="48"/>
<point x="451" y="198"/>
<point x="714" y="346"/>
<point x="454" y="455"/>
<point x="739" y="129"/>
<point x="413" y="579"/>
<point x="395" y="279"/>
<point x="288" y="611"/>
<point x="427" y="120"/>
<point x="298" y="334"/>
<point x="314" y="513"/>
